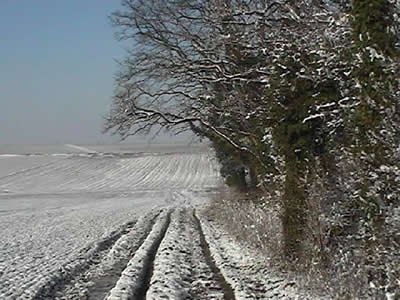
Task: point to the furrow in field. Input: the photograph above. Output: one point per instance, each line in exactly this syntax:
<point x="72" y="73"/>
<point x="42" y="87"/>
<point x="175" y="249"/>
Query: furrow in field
<point x="197" y="180"/>
<point x="135" y="279"/>
<point x="141" y="166"/>
<point x="46" y="179"/>
<point x="24" y="171"/>
<point x="100" y="174"/>
<point x="169" y="179"/>
<point x="131" y="168"/>
<point x="191" y="171"/>
<point x="179" y="176"/>
<point x="147" y="174"/>
<point x="180" y="267"/>
<point x="151" y="179"/>
<point x="114" y="177"/>
<point x="25" y="176"/>
<point x="165" y="178"/>
<point x="51" y="282"/>
<point x="174" y="171"/>
<point x="161" y="176"/>
<point x="121" y="174"/>
<point x="85" y="174"/>
<point x="146" y="164"/>
<point x="205" y="167"/>
<point x="107" y="175"/>
<point x="72" y="177"/>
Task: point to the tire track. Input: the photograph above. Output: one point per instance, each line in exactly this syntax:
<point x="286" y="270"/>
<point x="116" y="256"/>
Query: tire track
<point x="229" y="294"/>
<point x="100" y="278"/>
<point x="57" y="281"/>
<point x="166" y="255"/>
<point x="135" y="279"/>
<point x="180" y="268"/>
<point x="172" y="271"/>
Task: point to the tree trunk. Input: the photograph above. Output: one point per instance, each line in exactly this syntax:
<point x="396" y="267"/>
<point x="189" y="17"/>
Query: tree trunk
<point x="242" y="184"/>
<point x="294" y="213"/>
<point x="253" y="178"/>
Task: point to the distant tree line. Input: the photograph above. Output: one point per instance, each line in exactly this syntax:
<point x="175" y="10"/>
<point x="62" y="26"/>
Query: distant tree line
<point x="297" y="98"/>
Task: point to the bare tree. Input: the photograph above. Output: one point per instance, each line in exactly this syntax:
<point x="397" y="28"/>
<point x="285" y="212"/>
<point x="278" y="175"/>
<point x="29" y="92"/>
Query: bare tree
<point x="186" y="55"/>
<point x="232" y="70"/>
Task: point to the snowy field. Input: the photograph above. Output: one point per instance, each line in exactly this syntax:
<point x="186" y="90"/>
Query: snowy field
<point x="120" y="222"/>
<point x="56" y="201"/>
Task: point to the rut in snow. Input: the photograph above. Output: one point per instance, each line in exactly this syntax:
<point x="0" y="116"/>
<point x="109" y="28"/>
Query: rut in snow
<point x="134" y="280"/>
<point x="227" y="289"/>
<point x="103" y="283"/>
<point x="66" y="273"/>
<point x="101" y="276"/>
<point x="180" y="268"/>
<point x="149" y="266"/>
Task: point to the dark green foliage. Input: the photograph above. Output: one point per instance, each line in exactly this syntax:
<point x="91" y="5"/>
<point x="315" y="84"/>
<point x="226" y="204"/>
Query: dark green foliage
<point x="232" y="167"/>
<point x="370" y="26"/>
<point x="373" y="51"/>
<point x="372" y="36"/>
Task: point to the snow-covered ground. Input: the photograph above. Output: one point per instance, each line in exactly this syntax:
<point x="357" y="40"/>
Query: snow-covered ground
<point x="105" y="225"/>
<point x="54" y="207"/>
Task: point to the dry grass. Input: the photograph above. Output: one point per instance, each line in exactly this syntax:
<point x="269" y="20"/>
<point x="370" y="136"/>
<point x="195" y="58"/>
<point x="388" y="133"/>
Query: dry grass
<point x="251" y="219"/>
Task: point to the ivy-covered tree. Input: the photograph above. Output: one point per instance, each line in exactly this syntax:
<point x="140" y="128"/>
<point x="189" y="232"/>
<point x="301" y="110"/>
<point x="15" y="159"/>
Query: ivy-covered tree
<point x="375" y="72"/>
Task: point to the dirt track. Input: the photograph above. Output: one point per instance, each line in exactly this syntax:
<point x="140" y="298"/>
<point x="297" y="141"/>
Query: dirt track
<point x="167" y="254"/>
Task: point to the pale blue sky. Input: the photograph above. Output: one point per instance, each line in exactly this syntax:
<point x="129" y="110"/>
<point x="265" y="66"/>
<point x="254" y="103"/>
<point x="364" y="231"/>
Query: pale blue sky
<point x="56" y="70"/>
